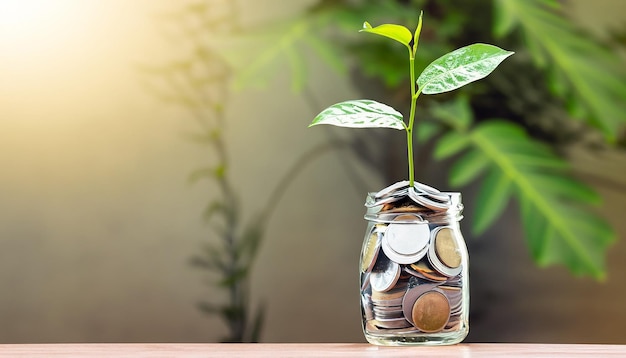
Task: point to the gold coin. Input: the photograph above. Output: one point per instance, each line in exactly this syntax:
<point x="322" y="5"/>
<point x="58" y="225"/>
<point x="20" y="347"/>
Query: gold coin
<point x="370" y="251"/>
<point x="427" y="272"/>
<point x="446" y="248"/>
<point x="431" y="312"/>
<point x="407" y="218"/>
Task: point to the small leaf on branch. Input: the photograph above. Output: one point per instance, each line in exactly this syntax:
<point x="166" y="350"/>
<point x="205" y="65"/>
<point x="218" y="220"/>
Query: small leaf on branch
<point x="360" y="114"/>
<point x="392" y="31"/>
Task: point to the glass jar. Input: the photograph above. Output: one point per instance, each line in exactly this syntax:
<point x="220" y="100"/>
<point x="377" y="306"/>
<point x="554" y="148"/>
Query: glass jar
<point x="414" y="268"/>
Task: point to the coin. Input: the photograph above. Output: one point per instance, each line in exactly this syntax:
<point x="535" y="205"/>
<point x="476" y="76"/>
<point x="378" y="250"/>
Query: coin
<point x="406" y="208"/>
<point x="425" y="188"/>
<point x="370" y="251"/>
<point x="422" y="270"/>
<point x="388" y="312"/>
<point x="406" y="243"/>
<point x="446" y="248"/>
<point x="409" y="218"/>
<point x="402" y="259"/>
<point x="411" y="297"/>
<point x="392" y="297"/>
<point x="423" y="199"/>
<point x="391" y="323"/>
<point x="383" y="201"/>
<point x="436" y="263"/>
<point x="393" y="187"/>
<point x="385" y="274"/>
<point x="367" y="307"/>
<point x="431" y="312"/>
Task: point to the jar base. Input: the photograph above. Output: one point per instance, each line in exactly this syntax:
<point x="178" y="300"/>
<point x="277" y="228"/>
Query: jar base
<point x="439" y="339"/>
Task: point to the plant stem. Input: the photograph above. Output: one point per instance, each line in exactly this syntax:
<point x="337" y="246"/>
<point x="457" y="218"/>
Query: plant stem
<point x="409" y="129"/>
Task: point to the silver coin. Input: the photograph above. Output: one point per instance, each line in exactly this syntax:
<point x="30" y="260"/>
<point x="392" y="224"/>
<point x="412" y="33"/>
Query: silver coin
<point x="400" y="258"/>
<point x="425" y="200"/>
<point x="365" y="281"/>
<point x="426" y="189"/>
<point x="392" y="323"/>
<point x="385" y="274"/>
<point x="390" y="189"/>
<point x="382" y="201"/>
<point x="367" y="307"/>
<point x="407" y="239"/>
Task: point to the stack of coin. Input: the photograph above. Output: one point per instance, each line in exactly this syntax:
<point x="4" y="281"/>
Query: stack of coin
<point x="411" y="263"/>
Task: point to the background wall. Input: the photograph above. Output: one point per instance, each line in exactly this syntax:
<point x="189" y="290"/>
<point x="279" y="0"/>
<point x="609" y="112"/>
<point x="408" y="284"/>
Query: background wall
<point x="97" y="222"/>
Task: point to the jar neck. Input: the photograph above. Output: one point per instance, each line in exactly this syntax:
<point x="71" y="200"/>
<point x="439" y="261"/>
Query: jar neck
<point x="415" y="213"/>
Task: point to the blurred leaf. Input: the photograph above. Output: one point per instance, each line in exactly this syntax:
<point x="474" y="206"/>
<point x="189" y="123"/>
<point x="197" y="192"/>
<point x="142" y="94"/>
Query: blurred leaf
<point x="234" y="277"/>
<point x="460" y="67"/>
<point x="251" y="239"/>
<point x="327" y="52"/>
<point x="468" y="167"/>
<point x="557" y="226"/>
<point x="213" y="208"/>
<point x="450" y="144"/>
<point x="210" y="258"/>
<point x="205" y="137"/>
<point x="360" y="114"/>
<point x="298" y="69"/>
<point x="457" y="113"/>
<point x="260" y="65"/>
<point x="392" y="31"/>
<point x="493" y="195"/>
<point x="565" y="187"/>
<point x="426" y="130"/>
<point x="588" y="75"/>
<point x="378" y="60"/>
<point x="208" y="173"/>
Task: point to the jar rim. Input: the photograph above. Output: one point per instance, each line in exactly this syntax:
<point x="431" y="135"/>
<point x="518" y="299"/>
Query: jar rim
<point x="452" y="213"/>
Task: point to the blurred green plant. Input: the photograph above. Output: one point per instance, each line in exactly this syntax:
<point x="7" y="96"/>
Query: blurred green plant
<point x="564" y="87"/>
<point x="199" y="81"/>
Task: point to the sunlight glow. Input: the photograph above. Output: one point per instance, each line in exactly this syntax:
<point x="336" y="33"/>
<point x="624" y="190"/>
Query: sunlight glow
<point x="36" y="24"/>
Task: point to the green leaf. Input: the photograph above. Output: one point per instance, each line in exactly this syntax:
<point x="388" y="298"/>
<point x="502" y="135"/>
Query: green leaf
<point x="468" y="168"/>
<point x="491" y="200"/>
<point x="583" y="71"/>
<point x="450" y="144"/>
<point x="392" y="31"/>
<point x="558" y="227"/>
<point x="418" y="31"/>
<point x="504" y="20"/>
<point x="360" y="114"/>
<point x="460" y="67"/>
<point x="566" y="187"/>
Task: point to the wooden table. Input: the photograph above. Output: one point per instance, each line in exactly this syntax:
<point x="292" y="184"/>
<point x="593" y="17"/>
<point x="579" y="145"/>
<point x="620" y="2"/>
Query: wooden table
<point x="308" y="350"/>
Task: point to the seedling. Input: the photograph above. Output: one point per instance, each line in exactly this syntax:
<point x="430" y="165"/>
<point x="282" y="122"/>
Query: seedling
<point x="448" y="72"/>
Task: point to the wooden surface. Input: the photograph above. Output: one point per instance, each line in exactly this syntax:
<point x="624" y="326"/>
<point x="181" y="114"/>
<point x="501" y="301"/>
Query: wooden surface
<point x="308" y="350"/>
